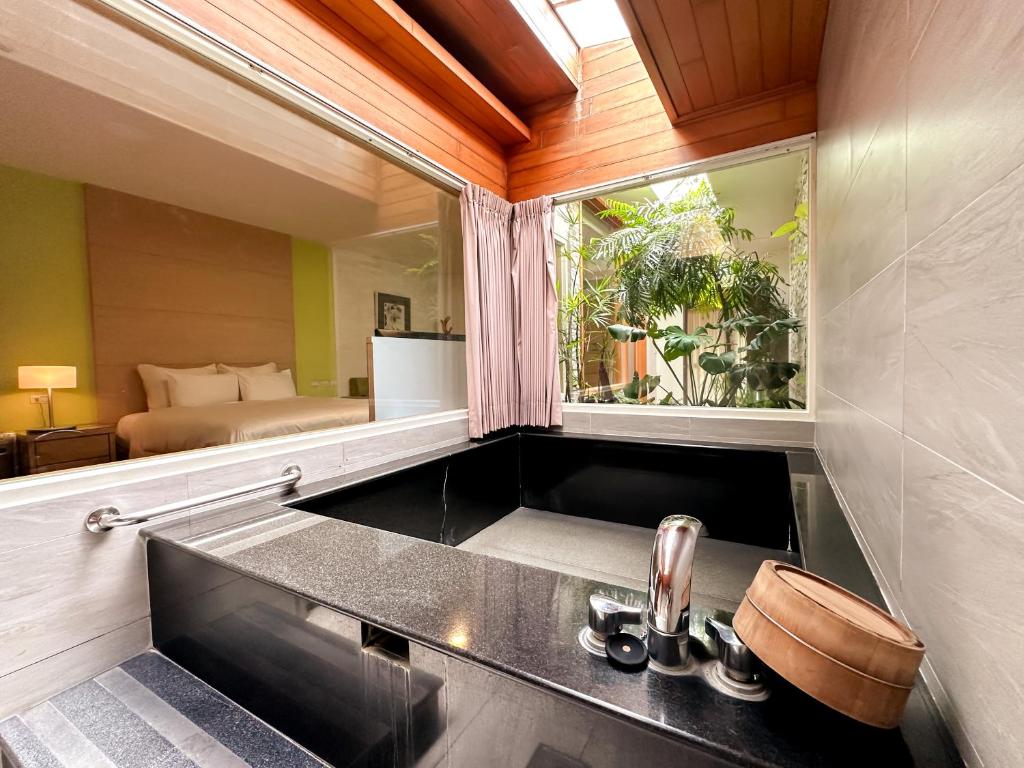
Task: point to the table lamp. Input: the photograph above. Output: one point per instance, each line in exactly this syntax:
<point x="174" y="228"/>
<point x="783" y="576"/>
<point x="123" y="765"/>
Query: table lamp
<point x="48" y="377"/>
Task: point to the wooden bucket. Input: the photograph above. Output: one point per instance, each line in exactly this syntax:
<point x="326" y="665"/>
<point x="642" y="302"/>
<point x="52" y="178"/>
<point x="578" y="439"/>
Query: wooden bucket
<point x="829" y="643"/>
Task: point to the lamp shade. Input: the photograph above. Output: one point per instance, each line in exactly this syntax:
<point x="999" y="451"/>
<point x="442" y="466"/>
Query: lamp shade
<point x="47" y="377"/>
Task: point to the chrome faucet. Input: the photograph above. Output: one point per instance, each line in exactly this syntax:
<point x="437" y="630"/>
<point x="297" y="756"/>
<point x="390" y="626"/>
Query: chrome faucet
<point x="668" y="594"/>
<point x="733" y="672"/>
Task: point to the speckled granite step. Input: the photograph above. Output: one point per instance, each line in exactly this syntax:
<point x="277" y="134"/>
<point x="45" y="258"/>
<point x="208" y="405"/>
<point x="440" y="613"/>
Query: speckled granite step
<point x="146" y="713"/>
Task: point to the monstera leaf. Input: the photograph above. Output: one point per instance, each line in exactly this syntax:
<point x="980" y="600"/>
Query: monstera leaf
<point x="770" y="375"/>
<point x="773" y="331"/>
<point x="742" y="324"/>
<point x="679" y="343"/>
<point x="640" y="388"/>
<point x="717" y="364"/>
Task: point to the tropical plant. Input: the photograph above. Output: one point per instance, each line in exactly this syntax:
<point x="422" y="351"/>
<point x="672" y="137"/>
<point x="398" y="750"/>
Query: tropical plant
<point x="585" y="309"/>
<point x="796" y="230"/>
<point x="661" y="249"/>
<point x="669" y="257"/>
<point x="639" y="390"/>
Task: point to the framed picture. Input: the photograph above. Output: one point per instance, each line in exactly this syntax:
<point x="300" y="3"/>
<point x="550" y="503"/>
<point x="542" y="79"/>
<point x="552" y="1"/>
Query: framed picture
<point x="393" y="312"/>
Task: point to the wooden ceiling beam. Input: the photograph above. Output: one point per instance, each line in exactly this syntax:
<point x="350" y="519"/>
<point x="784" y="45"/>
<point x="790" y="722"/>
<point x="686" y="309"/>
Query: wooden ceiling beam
<point x="519" y="48"/>
<point x="395" y="33"/>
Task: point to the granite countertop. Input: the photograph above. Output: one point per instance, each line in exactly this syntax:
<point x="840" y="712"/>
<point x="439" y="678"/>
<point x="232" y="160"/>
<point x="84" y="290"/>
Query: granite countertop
<point x="524" y="620"/>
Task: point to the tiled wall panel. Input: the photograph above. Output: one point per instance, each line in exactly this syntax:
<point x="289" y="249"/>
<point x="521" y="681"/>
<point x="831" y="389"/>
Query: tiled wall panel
<point x="920" y="371"/>
<point x="77" y="603"/>
<point x="961" y="587"/>
<point x="671" y="424"/>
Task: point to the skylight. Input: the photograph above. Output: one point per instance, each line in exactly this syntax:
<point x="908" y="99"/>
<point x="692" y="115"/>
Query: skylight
<point x="591" y="22"/>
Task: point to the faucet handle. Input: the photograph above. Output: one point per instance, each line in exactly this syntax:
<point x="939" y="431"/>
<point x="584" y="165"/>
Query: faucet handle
<point x="738" y="661"/>
<point x="606" y="616"/>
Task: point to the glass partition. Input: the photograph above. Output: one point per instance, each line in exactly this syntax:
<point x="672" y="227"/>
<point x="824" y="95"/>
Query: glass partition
<point x="689" y="292"/>
<point x="204" y="266"/>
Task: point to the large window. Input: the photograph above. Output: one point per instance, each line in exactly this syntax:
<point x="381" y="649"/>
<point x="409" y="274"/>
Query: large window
<point x="689" y="292"/>
<point x="193" y="264"/>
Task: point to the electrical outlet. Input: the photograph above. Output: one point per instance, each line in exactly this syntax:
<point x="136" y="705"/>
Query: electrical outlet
<point x="38" y="399"/>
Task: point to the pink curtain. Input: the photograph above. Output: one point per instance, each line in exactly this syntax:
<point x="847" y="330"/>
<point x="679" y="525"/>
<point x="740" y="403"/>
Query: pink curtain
<point x="533" y="285"/>
<point x="511" y="309"/>
<point x="491" y="378"/>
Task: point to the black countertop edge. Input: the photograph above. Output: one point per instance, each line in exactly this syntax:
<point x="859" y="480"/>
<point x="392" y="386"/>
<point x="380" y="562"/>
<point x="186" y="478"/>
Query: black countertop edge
<point x="484" y="661"/>
<point x="680" y="441"/>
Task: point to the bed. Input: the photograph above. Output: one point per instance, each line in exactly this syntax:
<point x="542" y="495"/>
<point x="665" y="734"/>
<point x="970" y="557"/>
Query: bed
<point x="167" y="430"/>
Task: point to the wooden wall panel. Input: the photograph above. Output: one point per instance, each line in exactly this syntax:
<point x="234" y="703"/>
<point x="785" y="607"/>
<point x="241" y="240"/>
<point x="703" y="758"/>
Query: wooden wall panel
<point x="312" y="44"/>
<point x="179" y="288"/>
<point x="616" y="127"/>
<point x="405" y="201"/>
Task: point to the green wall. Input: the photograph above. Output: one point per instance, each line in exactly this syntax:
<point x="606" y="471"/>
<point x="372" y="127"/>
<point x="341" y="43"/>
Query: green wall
<point x="44" y="295"/>
<point x="313" y="296"/>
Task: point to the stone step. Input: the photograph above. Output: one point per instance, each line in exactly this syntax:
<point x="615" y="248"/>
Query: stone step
<point x="146" y="713"/>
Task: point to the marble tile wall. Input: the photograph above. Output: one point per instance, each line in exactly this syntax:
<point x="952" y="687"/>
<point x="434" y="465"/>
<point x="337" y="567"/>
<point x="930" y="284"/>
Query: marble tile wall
<point x="920" y="311"/>
<point x="725" y="428"/>
<point x="76" y="603"/>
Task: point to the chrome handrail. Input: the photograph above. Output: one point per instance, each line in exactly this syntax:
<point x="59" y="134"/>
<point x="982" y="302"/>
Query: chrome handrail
<point x="103" y="519"/>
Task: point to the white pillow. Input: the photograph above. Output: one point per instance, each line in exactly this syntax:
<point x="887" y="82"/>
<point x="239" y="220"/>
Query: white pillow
<point x="267" y="386"/>
<point x="252" y="370"/>
<point x="186" y="390"/>
<point x="154" y="381"/>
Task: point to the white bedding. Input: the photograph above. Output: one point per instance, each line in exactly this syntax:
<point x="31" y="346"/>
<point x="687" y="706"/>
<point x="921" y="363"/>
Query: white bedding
<point x="181" y="429"/>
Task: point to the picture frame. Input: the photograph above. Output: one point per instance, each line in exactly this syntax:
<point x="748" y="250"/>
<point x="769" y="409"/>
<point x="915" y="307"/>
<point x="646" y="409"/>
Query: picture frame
<point x="394" y="313"/>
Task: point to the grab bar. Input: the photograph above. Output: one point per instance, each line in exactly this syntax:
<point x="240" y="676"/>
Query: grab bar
<point x="102" y="519"/>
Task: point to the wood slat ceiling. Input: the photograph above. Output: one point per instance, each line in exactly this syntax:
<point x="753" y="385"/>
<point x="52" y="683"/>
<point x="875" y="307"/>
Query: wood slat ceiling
<point x="517" y="48"/>
<point x="705" y="54"/>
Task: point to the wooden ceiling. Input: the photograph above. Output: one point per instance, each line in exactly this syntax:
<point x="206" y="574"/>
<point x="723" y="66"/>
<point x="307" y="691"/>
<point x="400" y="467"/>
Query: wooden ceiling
<point x="705" y="55"/>
<point x="517" y="48"/>
<point x="390" y="32"/>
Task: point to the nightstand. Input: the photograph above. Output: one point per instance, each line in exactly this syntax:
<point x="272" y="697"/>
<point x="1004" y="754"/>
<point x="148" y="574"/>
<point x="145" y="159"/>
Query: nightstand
<point x="65" y="448"/>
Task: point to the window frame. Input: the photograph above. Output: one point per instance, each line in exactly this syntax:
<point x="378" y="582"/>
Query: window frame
<point x="806" y="142"/>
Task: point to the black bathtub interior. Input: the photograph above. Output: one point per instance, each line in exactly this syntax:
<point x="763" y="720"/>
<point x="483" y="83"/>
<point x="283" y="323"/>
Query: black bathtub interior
<point x="740" y="494"/>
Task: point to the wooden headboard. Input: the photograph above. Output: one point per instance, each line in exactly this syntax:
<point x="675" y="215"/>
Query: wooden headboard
<point x="179" y="288"/>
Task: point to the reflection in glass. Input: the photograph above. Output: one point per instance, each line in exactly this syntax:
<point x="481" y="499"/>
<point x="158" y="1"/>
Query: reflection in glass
<point x="209" y="263"/>
<point x="691" y="292"/>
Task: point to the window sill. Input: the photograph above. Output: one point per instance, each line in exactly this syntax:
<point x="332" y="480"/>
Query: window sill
<point x="689" y="411"/>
